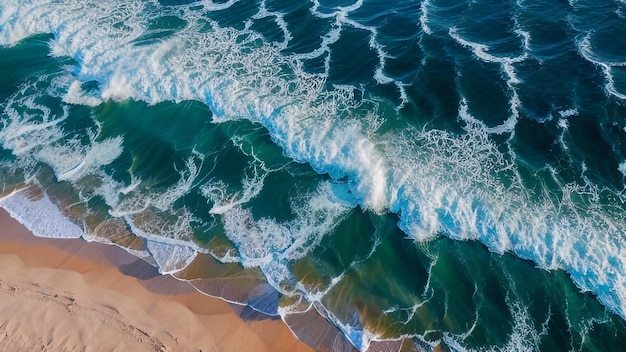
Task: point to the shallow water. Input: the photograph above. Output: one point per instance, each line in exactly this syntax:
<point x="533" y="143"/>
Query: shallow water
<point x="439" y="172"/>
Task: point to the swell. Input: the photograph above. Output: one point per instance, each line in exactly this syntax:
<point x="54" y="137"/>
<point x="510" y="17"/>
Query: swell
<point x="468" y="183"/>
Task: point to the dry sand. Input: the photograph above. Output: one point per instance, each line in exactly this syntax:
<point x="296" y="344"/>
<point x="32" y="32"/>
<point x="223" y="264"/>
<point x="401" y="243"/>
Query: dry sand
<point x="70" y="295"/>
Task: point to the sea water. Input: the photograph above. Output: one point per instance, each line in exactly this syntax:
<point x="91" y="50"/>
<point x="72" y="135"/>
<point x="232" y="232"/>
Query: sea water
<point x="420" y="174"/>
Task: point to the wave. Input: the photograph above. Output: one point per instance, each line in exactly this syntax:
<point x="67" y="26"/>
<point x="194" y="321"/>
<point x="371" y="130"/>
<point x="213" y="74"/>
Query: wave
<point x="40" y="216"/>
<point x="459" y="184"/>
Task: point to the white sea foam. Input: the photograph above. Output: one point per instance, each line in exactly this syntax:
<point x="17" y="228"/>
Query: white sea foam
<point x="26" y="132"/>
<point x="211" y="5"/>
<point x="437" y="181"/>
<point x="144" y="208"/>
<point x="42" y="217"/>
<point x="214" y="191"/>
<point x="34" y="134"/>
<point x="76" y="95"/>
<point x="341" y="16"/>
<point x="481" y="51"/>
<point x="171" y="258"/>
<point x="568" y="113"/>
<point x="622" y="168"/>
<point x="98" y="154"/>
<point x="278" y="19"/>
<point x="524" y="337"/>
<point x="424" y="17"/>
<point x="270" y="245"/>
<point x="585" y="49"/>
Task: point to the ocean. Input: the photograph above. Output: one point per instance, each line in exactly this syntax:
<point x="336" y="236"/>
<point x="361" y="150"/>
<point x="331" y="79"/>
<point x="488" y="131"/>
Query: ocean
<point x="399" y="175"/>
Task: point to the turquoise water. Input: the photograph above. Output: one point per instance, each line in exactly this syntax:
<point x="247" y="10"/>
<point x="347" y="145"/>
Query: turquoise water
<point x="440" y="173"/>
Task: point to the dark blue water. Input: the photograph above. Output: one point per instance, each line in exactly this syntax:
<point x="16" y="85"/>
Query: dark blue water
<point x="441" y="174"/>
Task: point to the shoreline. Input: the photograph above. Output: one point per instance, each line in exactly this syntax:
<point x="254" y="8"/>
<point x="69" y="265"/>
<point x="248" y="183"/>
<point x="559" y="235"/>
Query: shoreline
<point x="69" y="294"/>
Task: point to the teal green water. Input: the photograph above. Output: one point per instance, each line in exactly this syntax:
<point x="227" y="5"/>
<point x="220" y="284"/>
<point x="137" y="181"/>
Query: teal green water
<point x="448" y="174"/>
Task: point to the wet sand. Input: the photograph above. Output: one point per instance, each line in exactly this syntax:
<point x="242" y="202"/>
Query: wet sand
<point x="70" y="295"/>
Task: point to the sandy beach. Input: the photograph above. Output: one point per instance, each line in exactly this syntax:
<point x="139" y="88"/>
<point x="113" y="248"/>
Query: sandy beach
<point x="70" y="295"/>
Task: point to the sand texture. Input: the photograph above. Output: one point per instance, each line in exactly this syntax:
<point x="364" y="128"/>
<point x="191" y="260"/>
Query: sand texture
<point x="69" y="295"/>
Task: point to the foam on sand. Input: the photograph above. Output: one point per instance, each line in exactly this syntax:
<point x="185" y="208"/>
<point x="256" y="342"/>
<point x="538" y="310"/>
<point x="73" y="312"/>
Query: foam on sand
<point x="71" y="294"/>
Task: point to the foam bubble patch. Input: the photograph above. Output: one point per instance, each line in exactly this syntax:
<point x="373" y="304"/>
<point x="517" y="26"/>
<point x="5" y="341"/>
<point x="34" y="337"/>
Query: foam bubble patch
<point x="42" y="217"/>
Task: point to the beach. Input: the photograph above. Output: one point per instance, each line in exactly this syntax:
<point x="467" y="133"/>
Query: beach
<point x="362" y="175"/>
<point x="71" y="295"/>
